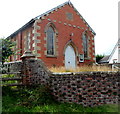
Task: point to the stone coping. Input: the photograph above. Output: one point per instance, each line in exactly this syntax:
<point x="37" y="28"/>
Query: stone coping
<point x="87" y="72"/>
<point x="13" y="62"/>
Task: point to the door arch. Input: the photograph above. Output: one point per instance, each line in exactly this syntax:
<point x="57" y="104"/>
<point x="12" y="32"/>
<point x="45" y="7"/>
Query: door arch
<point x="70" y="57"/>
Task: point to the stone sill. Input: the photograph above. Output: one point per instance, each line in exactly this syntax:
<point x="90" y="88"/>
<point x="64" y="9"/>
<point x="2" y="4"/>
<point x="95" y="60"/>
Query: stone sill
<point x="52" y="56"/>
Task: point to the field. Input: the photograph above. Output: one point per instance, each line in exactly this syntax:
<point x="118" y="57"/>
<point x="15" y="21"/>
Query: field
<point x="39" y="99"/>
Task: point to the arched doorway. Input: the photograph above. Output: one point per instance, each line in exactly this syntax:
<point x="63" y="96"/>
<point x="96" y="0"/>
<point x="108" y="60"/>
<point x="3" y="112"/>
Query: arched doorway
<point x="70" y="57"/>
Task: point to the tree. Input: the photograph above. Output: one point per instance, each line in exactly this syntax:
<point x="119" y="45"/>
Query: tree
<point x="5" y="49"/>
<point x="99" y="57"/>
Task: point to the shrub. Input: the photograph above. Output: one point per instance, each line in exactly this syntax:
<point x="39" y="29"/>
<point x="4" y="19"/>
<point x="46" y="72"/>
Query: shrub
<point x="36" y="95"/>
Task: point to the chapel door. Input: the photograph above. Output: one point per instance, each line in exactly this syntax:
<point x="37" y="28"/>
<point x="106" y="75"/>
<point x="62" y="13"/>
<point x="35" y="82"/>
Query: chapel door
<point x="70" y="58"/>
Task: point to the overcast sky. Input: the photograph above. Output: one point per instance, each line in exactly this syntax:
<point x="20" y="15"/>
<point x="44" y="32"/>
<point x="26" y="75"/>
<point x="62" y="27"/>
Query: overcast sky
<point x="101" y="15"/>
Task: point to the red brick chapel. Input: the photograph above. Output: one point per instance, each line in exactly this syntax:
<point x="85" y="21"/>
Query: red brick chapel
<point x="59" y="37"/>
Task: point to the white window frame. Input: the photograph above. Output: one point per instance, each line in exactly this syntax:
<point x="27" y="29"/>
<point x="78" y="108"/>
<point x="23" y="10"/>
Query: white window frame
<point x="81" y="57"/>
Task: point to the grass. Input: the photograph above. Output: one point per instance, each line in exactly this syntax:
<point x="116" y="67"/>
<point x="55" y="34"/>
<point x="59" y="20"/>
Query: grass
<point x="38" y="99"/>
<point x="84" y="68"/>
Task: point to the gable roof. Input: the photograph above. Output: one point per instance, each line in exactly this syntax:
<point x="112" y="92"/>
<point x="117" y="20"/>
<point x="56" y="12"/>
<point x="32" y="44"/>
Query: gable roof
<point x="107" y="59"/>
<point x="44" y="14"/>
<point x="104" y="59"/>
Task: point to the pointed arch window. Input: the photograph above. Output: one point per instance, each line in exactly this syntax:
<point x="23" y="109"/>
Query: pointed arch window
<point x="50" y="41"/>
<point x="85" y="45"/>
<point x="28" y="41"/>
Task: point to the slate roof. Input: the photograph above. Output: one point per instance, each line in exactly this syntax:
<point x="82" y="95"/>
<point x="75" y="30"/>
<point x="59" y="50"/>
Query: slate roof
<point x="38" y="17"/>
<point x="104" y="59"/>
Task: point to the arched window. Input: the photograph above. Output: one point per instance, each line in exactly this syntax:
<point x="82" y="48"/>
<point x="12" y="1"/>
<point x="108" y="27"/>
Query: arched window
<point x="85" y="45"/>
<point x="50" y="41"/>
<point x="28" y="41"/>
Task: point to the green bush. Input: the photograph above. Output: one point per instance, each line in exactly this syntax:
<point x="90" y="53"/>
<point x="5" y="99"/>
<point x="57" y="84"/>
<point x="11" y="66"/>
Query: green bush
<point x="36" y="95"/>
<point x="39" y="99"/>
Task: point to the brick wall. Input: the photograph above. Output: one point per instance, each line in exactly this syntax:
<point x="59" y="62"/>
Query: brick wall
<point x="34" y="72"/>
<point x="20" y="40"/>
<point x="88" y="88"/>
<point x="12" y="67"/>
<point x="64" y="27"/>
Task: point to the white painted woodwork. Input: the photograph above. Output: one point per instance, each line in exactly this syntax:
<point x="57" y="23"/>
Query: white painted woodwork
<point x="70" y="58"/>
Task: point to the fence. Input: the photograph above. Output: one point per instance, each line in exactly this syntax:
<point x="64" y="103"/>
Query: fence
<point x="12" y="74"/>
<point x="116" y="66"/>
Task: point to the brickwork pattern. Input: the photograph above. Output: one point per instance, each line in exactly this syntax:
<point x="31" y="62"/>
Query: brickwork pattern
<point x="34" y="72"/>
<point x="88" y="89"/>
<point x="11" y="67"/>
<point x="64" y="26"/>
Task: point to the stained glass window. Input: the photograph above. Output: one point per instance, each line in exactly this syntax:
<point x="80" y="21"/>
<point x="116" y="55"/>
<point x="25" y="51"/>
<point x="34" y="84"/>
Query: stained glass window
<point x="85" y="45"/>
<point x="50" y="41"/>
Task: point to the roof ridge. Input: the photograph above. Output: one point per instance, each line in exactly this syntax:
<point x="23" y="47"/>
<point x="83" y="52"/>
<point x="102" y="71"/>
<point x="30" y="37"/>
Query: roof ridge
<point x="65" y="3"/>
<point x="38" y="17"/>
<point x="47" y="12"/>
